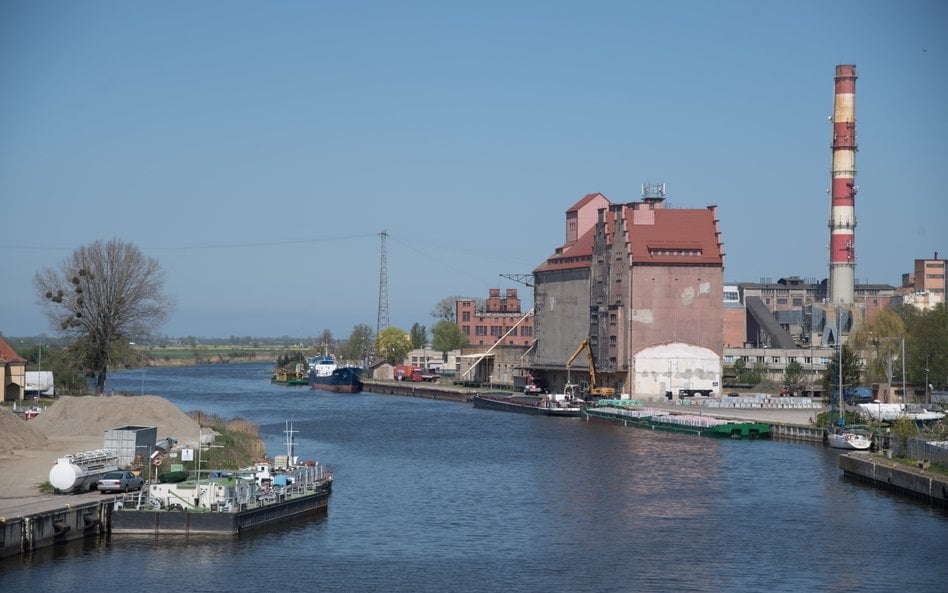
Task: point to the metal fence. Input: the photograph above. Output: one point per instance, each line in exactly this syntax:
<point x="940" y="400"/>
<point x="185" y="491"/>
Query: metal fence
<point x="933" y="451"/>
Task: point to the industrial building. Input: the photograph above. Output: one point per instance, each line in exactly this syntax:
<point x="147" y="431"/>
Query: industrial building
<point x="500" y="320"/>
<point x="644" y="284"/>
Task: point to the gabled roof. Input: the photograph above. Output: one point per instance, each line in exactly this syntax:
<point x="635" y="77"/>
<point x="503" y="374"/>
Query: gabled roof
<point x="585" y="200"/>
<point x="8" y="355"/>
<point x="678" y="236"/>
<point x="675" y="236"/>
<point x="572" y="255"/>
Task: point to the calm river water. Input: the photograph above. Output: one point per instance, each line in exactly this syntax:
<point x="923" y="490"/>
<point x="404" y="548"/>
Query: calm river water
<point x="437" y="496"/>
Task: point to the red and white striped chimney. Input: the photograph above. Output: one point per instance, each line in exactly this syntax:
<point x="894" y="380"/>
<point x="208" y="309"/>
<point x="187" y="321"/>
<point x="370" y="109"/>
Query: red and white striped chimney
<point x="843" y="193"/>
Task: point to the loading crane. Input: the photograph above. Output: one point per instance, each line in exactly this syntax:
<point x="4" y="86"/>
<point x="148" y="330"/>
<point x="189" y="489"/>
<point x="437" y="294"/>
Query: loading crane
<point x="594" y="388"/>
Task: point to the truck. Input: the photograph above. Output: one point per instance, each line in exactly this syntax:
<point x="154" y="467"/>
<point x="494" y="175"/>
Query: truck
<point x="594" y="389"/>
<point x="414" y="374"/>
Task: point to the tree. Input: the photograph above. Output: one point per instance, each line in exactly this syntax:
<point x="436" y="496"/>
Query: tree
<point x="793" y="376"/>
<point x="359" y="344"/>
<point x="393" y="345"/>
<point x="926" y="345"/>
<point x="325" y="342"/>
<point x="880" y="340"/>
<point x="102" y="297"/>
<point x="446" y="308"/>
<point x="851" y="370"/>
<point x="418" y="335"/>
<point x="447" y="336"/>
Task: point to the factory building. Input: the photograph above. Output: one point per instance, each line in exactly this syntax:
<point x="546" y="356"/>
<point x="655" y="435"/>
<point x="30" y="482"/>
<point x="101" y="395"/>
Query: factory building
<point x="644" y="284"/>
<point x="500" y="321"/>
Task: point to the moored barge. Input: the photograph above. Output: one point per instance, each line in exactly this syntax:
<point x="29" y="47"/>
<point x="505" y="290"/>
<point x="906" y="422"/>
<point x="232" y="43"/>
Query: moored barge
<point x="539" y="405"/>
<point x="656" y="419"/>
<point x="222" y="503"/>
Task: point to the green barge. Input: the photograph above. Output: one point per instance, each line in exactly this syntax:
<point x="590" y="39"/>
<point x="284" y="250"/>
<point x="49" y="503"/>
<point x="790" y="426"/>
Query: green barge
<point x="655" y="419"/>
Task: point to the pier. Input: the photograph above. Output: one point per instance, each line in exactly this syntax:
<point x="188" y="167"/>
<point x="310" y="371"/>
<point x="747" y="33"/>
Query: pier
<point x="918" y="482"/>
<point x="46" y="521"/>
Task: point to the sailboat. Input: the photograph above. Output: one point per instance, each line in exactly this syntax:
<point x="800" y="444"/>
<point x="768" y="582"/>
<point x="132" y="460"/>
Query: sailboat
<point x="841" y="437"/>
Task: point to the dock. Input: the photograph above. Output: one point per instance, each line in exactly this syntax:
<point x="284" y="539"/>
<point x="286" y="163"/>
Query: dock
<point x="915" y="481"/>
<point x="26" y="526"/>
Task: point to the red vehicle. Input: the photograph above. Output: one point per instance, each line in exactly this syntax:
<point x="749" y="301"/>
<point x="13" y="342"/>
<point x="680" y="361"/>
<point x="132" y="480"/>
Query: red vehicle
<point x="408" y="373"/>
<point x="414" y="374"/>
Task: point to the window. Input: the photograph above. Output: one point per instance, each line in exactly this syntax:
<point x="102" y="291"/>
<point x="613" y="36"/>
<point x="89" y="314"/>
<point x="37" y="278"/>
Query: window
<point x="775" y="360"/>
<point x="526" y="330"/>
<point x="480" y="330"/>
<point x="807" y="360"/>
<point x="466" y="316"/>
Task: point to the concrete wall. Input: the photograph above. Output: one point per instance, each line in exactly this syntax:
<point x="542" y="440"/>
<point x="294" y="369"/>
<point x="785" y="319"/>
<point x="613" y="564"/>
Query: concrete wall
<point x="674" y="366"/>
<point x="678" y="304"/>
<point x="900" y="478"/>
<point x="562" y="315"/>
<point x="30" y="532"/>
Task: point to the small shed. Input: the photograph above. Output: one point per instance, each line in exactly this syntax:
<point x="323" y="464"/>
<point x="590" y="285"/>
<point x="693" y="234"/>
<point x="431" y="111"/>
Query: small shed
<point x="129" y="442"/>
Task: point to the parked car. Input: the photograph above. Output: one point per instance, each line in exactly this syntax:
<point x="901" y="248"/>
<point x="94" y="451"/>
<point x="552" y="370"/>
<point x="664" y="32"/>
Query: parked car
<point x="121" y="481"/>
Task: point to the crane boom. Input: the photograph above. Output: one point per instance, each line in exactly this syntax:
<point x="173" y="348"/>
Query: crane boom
<point x="594" y="388"/>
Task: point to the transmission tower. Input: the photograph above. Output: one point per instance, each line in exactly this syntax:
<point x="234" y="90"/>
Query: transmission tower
<point x="382" y="321"/>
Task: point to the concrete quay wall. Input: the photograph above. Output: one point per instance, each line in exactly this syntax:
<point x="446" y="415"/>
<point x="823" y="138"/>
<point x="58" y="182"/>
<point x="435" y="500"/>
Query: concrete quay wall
<point x="28" y="532"/>
<point x="412" y="389"/>
<point x="897" y="477"/>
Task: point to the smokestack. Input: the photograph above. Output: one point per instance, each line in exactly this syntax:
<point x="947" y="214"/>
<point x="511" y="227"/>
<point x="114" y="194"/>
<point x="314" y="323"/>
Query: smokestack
<point x="843" y="193"/>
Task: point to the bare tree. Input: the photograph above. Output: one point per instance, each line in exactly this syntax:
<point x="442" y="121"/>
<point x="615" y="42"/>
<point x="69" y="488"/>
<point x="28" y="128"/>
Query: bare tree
<point x="101" y="297"/>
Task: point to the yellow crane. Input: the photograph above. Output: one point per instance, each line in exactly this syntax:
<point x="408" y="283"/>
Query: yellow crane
<point x="594" y="388"/>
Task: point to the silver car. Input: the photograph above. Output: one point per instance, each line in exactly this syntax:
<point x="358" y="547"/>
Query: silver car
<point x="120" y="481"/>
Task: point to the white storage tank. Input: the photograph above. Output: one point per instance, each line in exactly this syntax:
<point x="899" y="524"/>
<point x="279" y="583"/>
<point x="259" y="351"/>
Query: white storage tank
<point x="79" y="472"/>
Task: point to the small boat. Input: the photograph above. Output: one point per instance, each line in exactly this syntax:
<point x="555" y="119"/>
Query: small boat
<point x="848" y="439"/>
<point x="172" y="477"/>
<point x="341" y="380"/>
<point x="539" y="404"/>
<point x="889" y="412"/>
<point x="287" y="377"/>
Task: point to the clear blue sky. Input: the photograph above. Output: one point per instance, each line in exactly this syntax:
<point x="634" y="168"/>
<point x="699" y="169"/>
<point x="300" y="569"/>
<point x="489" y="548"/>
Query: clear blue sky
<point x="256" y="149"/>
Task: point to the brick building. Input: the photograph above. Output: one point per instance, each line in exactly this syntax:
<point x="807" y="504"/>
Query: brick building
<point x="500" y="322"/>
<point x="642" y="282"/>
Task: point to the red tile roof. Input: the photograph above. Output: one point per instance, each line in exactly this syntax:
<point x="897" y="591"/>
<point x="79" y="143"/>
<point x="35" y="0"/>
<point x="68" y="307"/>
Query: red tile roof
<point x="677" y="237"/>
<point x="8" y="354"/>
<point x="585" y="200"/>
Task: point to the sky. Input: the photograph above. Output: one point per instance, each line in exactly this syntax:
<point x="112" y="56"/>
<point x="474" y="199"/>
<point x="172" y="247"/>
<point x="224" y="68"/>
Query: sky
<point x="258" y="150"/>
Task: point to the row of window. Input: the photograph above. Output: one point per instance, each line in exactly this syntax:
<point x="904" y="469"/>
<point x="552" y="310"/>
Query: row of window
<point x="497" y="331"/>
<point x="731" y="359"/>
<point x="684" y="252"/>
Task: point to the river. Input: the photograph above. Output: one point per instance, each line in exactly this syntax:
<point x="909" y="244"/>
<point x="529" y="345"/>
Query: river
<point x="438" y="496"/>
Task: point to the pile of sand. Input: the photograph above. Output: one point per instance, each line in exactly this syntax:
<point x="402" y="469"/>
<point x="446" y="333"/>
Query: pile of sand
<point x="17" y="434"/>
<point x="93" y="415"/>
<point x="30" y="448"/>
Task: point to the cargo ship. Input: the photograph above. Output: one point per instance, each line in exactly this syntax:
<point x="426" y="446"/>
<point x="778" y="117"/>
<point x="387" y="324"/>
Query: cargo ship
<point x="342" y="380"/>
<point x="657" y="419"/>
<point x="227" y="502"/>
<point x="540" y="405"/>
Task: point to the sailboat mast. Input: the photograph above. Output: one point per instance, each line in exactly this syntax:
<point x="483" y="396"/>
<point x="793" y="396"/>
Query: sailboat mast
<point x="839" y="362"/>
